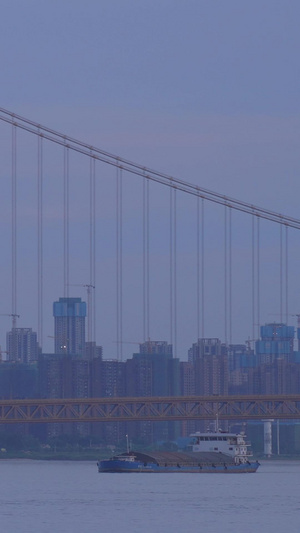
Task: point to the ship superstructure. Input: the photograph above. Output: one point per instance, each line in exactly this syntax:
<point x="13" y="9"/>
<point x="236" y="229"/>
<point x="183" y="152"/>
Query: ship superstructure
<point x="232" y="444"/>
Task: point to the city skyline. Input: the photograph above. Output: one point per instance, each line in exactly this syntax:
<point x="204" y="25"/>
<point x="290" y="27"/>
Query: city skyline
<point x="170" y="262"/>
<point x="218" y="109"/>
<point x="149" y="171"/>
<point x="71" y="323"/>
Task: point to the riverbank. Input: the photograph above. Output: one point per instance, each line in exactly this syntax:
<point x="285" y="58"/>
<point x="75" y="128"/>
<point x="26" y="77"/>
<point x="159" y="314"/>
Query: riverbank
<point x="95" y="455"/>
<point x="56" y="456"/>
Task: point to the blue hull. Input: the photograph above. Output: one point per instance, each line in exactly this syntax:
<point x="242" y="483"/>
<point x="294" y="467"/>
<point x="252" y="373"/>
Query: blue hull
<point x="120" y="466"/>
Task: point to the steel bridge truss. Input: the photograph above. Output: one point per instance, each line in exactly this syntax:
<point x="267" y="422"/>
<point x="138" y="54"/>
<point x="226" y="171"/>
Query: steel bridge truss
<point x="153" y="409"/>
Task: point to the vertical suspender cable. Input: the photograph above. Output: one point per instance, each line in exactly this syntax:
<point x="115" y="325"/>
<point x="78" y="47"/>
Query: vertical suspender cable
<point x="144" y="260"/>
<point x="66" y="221"/>
<point x="253" y="279"/>
<point x="91" y="287"/>
<point x="175" y="275"/>
<point x="121" y="265"/>
<point x="258" y="276"/>
<point x="89" y="317"/>
<point x="118" y="260"/>
<point x="281" y="275"/>
<point x="198" y="267"/>
<point x="230" y="278"/>
<point x="14" y="232"/>
<point x="40" y="239"/>
<point x="147" y="261"/>
<point x="66" y="334"/>
<point x="286" y="275"/>
<point x="171" y="264"/>
<point x="202" y="269"/>
<point x="225" y="274"/>
<point x="94" y="255"/>
<point x="146" y="282"/>
<point x="173" y="270"/>
<point x="119" y="269"/>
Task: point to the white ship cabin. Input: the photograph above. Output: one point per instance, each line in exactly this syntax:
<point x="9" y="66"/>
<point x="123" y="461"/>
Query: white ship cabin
<point x="229" y="443"/>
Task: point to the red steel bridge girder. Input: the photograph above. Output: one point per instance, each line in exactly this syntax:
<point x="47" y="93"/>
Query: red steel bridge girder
<point x="155" y="409"/>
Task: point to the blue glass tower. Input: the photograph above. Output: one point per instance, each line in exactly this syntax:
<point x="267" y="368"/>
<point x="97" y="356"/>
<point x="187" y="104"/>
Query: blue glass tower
<point x="277" y="342"/>
<point x="69" y="326"/>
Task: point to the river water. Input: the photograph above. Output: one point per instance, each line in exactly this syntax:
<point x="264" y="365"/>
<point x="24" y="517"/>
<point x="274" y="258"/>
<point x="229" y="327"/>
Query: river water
<point x="71" y="497"/>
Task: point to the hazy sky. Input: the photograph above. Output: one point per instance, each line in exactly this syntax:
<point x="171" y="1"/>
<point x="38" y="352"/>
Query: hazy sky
<point x="205" y="90"/>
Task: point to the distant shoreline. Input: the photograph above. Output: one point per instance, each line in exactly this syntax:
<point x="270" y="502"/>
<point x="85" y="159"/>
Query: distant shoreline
<point x="95" y="456"/>
<point x="54" y="456"/>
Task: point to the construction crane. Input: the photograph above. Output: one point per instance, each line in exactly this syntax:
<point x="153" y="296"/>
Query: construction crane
<point x="14" y="346"/>
<point x="127" y="342"/>
<point x="88" y="287"/>
<point x="149" y="344"/>
<point x="14" y="318"/>
<point x="292" y="314"/>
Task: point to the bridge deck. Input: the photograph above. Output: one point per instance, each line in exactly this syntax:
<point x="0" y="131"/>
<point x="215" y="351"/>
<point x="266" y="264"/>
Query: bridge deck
<point x="154" y="408"/>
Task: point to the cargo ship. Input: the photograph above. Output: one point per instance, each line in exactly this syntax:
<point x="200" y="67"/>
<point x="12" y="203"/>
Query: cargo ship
<point x="215" y="452"/>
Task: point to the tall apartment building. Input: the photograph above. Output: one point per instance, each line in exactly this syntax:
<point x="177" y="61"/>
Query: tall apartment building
<point x="92" y="350"/>
<point x="22" y="345"/>
<point x="153" y="372"/>
<point x="112" y="384"/>
<point x="187" y="388"/>
<point x="156" y="347"/>
<point x="210" y="360"/>
<point x="277" y="341"/>
<point x="69" y="326"/>
<point x="65" y="376"/>
<point x="279" y="377"/>
<point x="241" y="359"/>
<point x="18" y="381"/>
<point x="112" y="378"/>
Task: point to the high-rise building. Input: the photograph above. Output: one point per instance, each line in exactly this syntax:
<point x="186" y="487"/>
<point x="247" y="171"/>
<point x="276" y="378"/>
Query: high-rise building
<point x="241" y="359"/>
<point x="92" y="350"/>
<point x="187" y="388"/>
<point x="112" y="378"/>
<point x="277" y="341"/>
<point x="69" y="326"/>
<point x="22" y="345"/>
<point x="18" y="380"/>
<point x="206" y="346"/>
<point x="153" y="372"/>
<point x="64" y="376"/>
<point x="210" y="360"/>
<point x="112" y="384"/>
<point x="156" y="347"/>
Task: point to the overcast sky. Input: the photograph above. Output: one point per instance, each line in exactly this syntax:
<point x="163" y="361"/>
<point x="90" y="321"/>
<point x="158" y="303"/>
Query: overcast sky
<point x="205" y="90"/>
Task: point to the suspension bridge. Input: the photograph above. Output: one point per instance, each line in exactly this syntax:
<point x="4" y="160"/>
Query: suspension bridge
<point x="144" y="244"/>
<point x="158" y="257"/>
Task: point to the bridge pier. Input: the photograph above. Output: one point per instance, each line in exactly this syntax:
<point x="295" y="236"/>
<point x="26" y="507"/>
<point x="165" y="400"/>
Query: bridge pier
<point x="268" y="437"/>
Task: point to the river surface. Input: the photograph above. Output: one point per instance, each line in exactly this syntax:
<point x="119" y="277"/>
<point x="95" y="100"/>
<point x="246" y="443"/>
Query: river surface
<point x="71" y="497"/>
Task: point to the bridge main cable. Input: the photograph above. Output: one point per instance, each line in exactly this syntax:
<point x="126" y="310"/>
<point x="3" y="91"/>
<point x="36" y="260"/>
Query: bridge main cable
<point x="143" y="171"/>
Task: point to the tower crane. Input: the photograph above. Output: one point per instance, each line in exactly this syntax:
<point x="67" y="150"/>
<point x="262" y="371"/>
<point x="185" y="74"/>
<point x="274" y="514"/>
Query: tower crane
<point x="88" y="287"/>
<point x="14" y="339"/>
<point x="14" y="318"/>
